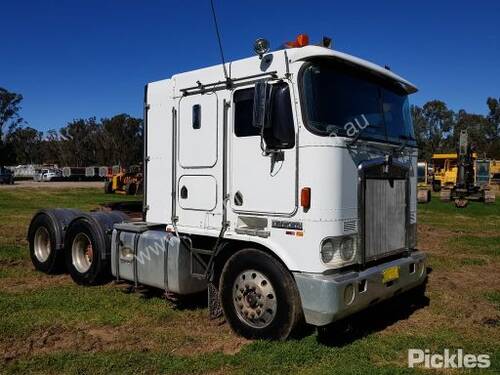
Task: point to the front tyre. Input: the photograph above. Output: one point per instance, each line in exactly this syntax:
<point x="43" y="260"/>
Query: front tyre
<point x="83" y="253"/>
<point x="259" y="296"/>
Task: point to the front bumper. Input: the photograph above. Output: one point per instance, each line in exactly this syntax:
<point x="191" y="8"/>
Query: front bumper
<point x="327" y="298"/>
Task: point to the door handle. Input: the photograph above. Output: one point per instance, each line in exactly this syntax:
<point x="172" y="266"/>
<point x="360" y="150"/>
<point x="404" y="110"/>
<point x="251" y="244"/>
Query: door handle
<point x="238" y="199"/>
<point x="184" y="192"/>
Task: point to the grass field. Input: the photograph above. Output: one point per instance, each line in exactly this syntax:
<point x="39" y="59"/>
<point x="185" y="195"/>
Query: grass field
<point x="50" y="325"/>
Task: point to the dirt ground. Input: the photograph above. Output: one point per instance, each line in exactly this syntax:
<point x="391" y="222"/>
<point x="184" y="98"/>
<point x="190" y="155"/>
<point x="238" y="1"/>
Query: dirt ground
<point x="53" y="184"/>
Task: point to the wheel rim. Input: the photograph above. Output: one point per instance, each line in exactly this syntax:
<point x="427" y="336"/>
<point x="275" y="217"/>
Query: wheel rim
<point x="82" y="252"/>
<point x="254" y="299"/>
<point x="42" y="244"/>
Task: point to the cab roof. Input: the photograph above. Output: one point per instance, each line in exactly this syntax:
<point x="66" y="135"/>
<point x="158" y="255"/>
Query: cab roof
<point x="307" y="52"/>
<point x="250" y="65"/>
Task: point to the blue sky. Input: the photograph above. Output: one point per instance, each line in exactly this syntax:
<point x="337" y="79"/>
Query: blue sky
<point x="83" y="58"/>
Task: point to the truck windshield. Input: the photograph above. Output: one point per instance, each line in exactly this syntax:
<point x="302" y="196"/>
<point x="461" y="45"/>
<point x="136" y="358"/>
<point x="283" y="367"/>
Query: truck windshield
<point x="344" y="101"/>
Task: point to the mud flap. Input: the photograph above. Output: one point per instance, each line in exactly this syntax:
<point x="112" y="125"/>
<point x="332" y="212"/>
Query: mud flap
<point x="214" y="305"/>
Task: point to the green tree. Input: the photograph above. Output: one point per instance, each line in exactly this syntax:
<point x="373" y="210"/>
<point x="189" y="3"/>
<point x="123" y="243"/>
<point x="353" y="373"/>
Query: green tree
<point x="9" y="110"/>
<point x="121" y="140"/>
<point x="25" y="143"/>
<point x="433" y="123"/>
<point x="9" y="118"/>
<point x="79" y="142"/>
<point x="494" y="130"/>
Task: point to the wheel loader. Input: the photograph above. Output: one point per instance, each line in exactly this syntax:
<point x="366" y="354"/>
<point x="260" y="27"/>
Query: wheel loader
<point x="124" y="181"/>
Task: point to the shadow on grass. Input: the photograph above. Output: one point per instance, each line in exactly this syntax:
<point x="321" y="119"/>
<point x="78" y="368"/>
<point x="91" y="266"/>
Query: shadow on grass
<point x="188" y="302"/>
<point x="373" y="319"/>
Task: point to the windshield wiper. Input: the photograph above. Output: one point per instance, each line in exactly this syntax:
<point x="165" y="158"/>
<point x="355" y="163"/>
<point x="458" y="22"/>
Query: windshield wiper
<point x="329" y="129"/>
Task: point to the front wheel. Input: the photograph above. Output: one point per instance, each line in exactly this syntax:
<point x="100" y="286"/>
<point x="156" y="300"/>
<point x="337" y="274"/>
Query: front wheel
<point x="259" y="296"/>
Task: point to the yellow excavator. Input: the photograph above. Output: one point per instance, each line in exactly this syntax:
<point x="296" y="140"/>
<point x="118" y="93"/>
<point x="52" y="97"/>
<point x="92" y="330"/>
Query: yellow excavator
<point x="472" y="177"/>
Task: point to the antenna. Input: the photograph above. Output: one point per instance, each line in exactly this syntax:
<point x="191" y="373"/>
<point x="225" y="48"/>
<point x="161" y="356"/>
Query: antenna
<point x="228" y="80"/>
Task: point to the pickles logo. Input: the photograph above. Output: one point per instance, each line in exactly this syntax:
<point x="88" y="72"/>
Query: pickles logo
<point x="449" y="359"/>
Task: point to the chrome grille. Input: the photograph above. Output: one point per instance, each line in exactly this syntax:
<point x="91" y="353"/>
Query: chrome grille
<point x="385" y="217"/>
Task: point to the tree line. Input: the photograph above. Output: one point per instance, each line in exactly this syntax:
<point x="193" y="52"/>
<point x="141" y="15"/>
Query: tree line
<point x="118" y="140"/>
<point x="81" y="142"/>
<point x="437" y="128"/>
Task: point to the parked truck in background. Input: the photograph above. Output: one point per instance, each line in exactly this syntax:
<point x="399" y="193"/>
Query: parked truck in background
<point x="6" y="176"/>
<point x="284" y="184"/>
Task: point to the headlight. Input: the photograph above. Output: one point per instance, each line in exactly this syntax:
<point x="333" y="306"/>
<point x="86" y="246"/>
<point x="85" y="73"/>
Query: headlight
<point x="339" y="251"/>
<point x="327" y="251"/>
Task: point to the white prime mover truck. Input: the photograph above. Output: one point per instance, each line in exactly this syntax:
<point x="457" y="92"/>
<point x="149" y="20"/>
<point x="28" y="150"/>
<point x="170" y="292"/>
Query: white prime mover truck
<point x="284" y="184"/>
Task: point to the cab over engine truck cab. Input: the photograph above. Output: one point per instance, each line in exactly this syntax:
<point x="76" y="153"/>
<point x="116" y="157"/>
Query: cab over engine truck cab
<point x="288" y="189"/>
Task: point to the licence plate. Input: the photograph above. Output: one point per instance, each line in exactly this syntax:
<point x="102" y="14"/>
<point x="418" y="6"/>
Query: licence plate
<point x="390" y="274"/>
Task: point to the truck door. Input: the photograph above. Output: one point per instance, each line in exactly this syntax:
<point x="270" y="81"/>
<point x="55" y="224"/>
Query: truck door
<point x="198" y="162"/>
<point x="263" y="183"/>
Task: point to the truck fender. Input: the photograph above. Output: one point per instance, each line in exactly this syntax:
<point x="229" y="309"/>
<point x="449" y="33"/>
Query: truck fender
<point x="60" y="219"/>
<point x="103" y="224"/>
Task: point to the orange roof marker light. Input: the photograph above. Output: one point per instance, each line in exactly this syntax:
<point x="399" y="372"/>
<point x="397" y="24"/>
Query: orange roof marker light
<point x="302" y="40"/>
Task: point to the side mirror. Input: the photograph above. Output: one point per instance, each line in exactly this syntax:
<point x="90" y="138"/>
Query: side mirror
<point x="260" y="105"/>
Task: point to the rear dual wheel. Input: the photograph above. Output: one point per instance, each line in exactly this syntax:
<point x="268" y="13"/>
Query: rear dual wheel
<point x="259" y="296"/>
<point x="42" y="244"/>
<point x="83" y="254"/>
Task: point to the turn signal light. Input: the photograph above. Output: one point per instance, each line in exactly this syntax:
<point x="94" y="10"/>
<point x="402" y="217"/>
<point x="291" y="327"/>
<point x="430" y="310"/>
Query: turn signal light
<point x="305" y="198"/>
<point x="302" y="40"/>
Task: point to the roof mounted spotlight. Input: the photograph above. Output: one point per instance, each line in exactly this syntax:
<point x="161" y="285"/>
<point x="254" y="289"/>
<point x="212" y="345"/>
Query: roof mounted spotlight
<point x="261" y="46"/>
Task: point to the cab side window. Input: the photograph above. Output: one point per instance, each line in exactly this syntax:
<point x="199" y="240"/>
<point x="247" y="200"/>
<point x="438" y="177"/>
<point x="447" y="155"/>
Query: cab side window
<point x="280" y="133"/>
<point x="243" y="113"/>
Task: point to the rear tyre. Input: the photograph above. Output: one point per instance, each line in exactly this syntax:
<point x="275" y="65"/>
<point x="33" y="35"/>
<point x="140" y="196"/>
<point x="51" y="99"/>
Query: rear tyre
<point x="83" y="253"/>
<point x="259" y="296"/>
<point x="42" y="244"/>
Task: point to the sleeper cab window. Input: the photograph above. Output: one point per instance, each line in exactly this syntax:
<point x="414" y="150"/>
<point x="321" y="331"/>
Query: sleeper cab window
<point x="196" y="116"/>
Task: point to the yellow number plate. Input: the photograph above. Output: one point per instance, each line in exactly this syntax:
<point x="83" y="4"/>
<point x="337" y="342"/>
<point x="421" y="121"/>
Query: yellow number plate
<point x="390" y="274"/>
